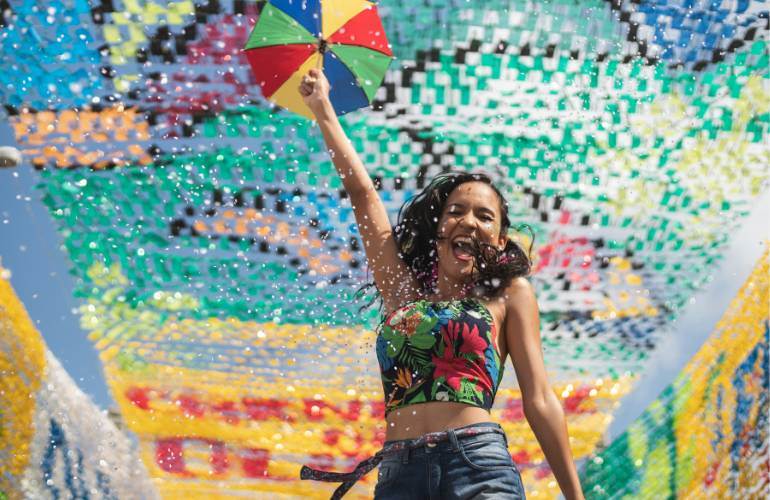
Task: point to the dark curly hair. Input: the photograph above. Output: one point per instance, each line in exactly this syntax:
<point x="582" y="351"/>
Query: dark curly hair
<point x="416" y="236"/>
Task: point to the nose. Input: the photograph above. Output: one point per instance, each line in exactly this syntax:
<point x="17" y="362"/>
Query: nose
<point x="468" y="221"/>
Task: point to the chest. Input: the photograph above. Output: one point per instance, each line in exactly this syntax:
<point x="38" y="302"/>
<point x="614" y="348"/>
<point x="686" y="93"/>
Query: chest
<point x="464" y="327"/>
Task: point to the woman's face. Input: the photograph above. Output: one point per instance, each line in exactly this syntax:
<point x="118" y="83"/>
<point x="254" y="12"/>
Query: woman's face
<point x="471" y="211"/>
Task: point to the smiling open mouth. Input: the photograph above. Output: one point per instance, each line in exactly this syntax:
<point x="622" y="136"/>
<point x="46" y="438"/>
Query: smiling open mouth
<point x="461" y="249"/>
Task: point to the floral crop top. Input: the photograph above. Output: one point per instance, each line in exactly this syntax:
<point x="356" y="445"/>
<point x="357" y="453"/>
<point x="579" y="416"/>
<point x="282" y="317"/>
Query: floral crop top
<point x="439" y="351"/>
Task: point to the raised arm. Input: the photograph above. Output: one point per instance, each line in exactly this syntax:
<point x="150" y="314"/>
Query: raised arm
<point x="393" y="278"/>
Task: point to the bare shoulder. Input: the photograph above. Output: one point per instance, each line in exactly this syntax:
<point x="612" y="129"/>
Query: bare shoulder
<point x="406" y="293"/>
<point x="520" y="289"/>
<point x="511" y="295"/>
<point x="520" y="299"/>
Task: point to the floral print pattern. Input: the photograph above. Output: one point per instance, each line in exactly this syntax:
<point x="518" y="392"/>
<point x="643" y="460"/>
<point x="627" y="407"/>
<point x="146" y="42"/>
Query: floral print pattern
<point x="439" y="351"/>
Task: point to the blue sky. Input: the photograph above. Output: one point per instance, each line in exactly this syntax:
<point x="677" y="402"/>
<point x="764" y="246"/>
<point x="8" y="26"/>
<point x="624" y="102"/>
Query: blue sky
<point x="29" y="248"/>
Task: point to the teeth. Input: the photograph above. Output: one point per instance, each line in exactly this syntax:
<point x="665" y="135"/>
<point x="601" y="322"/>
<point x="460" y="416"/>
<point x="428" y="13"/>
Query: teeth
<point x="462" y="244"/>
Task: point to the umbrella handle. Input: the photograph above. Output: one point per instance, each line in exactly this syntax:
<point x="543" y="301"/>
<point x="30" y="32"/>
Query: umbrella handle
<point x="320" y="63"/>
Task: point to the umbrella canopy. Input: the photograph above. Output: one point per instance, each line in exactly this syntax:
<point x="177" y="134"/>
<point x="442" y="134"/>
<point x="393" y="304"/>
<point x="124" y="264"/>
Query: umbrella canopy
<point x="345" y="37"/>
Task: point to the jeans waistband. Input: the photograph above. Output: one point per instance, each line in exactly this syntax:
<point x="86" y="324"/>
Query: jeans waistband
<point x="452" y="435"/>
<point x="348" y="479"/>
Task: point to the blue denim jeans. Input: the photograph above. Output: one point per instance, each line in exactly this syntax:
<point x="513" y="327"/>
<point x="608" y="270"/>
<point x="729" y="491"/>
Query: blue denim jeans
<point x="470" y="467"/>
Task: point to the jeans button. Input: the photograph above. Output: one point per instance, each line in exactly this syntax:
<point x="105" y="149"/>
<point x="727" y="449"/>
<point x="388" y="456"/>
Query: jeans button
<point x="431" y="445"/>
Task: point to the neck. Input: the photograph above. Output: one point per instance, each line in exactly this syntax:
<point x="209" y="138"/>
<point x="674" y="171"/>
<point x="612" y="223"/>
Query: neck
<point x="448" y="288"/>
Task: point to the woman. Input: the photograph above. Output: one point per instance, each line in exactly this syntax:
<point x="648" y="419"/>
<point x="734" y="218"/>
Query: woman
<point x="452" y="280"/>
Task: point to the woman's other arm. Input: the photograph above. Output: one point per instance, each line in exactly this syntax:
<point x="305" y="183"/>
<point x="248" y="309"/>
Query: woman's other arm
<point x="393" y="278"/>
<point x="542" y="408"/>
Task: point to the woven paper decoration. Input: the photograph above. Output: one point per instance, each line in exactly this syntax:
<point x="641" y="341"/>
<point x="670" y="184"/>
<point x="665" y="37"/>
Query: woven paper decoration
<point x="54" y="441"/>
<point x="217" y="257"/>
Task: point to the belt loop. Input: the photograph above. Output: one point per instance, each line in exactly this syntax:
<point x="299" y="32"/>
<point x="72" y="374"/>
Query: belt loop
<point x="505" y="436"/>
<point x="453" y="439"/>
<point x="405" y="455"/>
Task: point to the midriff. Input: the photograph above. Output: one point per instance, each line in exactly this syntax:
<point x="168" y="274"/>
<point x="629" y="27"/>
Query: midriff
<point x="415" y="420"/>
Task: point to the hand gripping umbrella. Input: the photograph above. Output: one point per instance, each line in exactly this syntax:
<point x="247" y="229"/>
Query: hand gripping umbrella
<point x="345" y="37"/>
